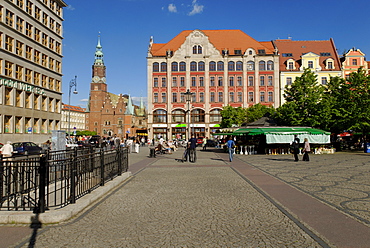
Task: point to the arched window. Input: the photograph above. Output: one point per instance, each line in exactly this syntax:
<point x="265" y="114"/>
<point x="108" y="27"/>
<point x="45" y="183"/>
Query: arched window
<point x="262" y="66"/>
<point x="194" y="49"/>
<point x="239" y="66"/>
<point x="212" y="66"/>
<point x="220" y="66"/>
<point x="160" y="116"/>
<point x="182" y="66"/>
<point x="201" y="66"/>
<point x="231" y="66"/>
<point x="178" y="115"/>
<point x="270" y="65"/>
<point x="250" y="66"/>
<point x="215" y="116"/>
<point x="163" y="66"/>
<point x="174" y="66"/>
<point x="200" y="50"/>
<point x="197" y="115"/>
<point x="156" y="67"/>
<point x="193" y="66"/>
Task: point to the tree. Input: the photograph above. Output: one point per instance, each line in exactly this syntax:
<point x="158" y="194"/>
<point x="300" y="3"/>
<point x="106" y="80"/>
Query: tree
<point x="232" y="116"/>
<point x="302" y="99"/>
<point x="257" y="111"/>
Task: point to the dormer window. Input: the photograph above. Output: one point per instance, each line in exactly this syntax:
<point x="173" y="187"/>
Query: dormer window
<point x="310" y="64"/>
<point x="238" y="52"/>
<point x="290" y="64"/>
<point x="329" y="64"/>
<point x="197" y="49"/>
<point x="261" y="51"/>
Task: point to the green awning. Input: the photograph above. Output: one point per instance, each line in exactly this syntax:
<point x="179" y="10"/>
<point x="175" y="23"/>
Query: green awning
<point x="180" y="125"/>
<point x="279" y="131"/>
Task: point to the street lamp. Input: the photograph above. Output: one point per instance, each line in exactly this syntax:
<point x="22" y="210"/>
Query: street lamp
<point x="72" y="83"/>
<point x="188" y="96"/>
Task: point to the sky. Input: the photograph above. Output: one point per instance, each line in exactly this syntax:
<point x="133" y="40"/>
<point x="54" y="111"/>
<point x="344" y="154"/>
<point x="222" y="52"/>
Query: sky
<point x="125" y="28"/>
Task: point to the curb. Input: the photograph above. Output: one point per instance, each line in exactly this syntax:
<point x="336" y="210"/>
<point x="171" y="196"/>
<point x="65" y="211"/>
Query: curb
<point x="65" y="213"/>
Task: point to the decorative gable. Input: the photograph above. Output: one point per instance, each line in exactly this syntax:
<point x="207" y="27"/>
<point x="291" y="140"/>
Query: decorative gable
<point x="310" y="60"/>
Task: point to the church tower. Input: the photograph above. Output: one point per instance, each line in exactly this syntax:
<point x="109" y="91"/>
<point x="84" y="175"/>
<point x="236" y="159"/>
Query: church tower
<point x="98" y="70"/>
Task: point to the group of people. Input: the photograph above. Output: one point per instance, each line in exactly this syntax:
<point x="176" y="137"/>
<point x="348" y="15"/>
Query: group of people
<point x="305" y="151"/>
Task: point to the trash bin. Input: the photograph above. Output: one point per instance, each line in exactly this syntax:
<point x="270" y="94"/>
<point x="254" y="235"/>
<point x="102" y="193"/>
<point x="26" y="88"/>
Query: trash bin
<point x="367" y="147"/>
<point x="152" y="153"/>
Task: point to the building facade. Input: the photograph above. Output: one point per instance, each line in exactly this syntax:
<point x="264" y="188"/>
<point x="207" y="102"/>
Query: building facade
<point x="73" y="119"/>
<point x="30" y="69"/>
<point x="319" y="56"/>
<point x="109" y="114"/>
<point x="219" y="68"/>
<point x="352" y="61"/>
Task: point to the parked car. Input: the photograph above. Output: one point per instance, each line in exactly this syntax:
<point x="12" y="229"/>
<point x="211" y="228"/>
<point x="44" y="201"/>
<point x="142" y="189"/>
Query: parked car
<point x="199" y="141"/>
<point x="95" y="140"/>
<point x="26" y="148"/>
<point x="211" y="143"/>
<point x="1" y="145"/>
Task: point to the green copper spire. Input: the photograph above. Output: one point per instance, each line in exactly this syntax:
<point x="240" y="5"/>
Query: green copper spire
<point x="129" y="107"/>
<point x="99" y="54"/>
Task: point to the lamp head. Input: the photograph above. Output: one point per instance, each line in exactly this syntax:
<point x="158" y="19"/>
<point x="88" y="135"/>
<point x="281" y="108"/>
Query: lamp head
<point x="75" y="92"/>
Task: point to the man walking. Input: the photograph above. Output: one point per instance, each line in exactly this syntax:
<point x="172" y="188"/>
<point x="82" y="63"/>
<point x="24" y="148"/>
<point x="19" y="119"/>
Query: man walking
<point x="192" y="144"/>
<point x="231" y="145"/>
<point x="295" y="146"/>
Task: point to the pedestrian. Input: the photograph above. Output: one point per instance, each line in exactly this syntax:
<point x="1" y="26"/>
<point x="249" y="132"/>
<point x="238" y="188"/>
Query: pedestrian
<point x="204" y="143"/>
<point x="230" y="145"/>
<point x="306" y="150"/>
<point x="192" y="145"/>
<point x="7" y="150"/>
<point x="295" y="147"/>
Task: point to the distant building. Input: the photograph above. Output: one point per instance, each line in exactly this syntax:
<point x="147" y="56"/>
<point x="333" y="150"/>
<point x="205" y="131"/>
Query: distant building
<point x="221" y="67"/>
<point x="73" y="118"/>
<point x="352" y="61"/>
<point x="31" y="37"/>
<point x="318" y="55"/>
<point x="109" y="114"/>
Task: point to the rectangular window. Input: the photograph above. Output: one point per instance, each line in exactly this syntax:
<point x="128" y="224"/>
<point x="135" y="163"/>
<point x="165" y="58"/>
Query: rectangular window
<point x="19" y="48"/>
<point x="220" y="83"/>
<point x="57" y="47"/>
<point x="45" y="19"/>
<point x="250" y="97"/>
<point x="28" y="52"/>
<point x="310" y="64"/>
<point x="58" y="66"/>
<point x="194" y="97"/>
<point x="51" y="63"/>
<point x="288" y="81"/>
<point x="44" y="81"/>
<point x="28" y="100"/>
<point x="164" y="98"/>
<point x="52" y="24"/>
<point x="262" y="80"/>
<point x="182" y="97"/>
<point x="270" y="97"/>
<point x="330" y="65"/>
<point x="37" y="13"/>
<point x="36" y="78"/>
<point x="240" y="97"/>
<point x="45" y="39"/>
<point x="269" y="83"/>
<point x="182" y="82"/>
<point x="201" y="81"/>
<point x="37" y="35"/>
<point x="18" y="98"/>
<point x="164" y="82"/>
<point x="240" y="81"/>
<point x="174" y="97"/>
<point x="36" y="57"/>
<point x="155" y="97"/>
<point x="28" y="78"/>
<point x="44" y="61"/>
<point x="324" y="81"/>
<point x="155" y="82"/>
<point x="58" y="28"/>
<point x="51" y="43"/>
<point x="8" y="127"/>
<point x="250" y="81"/>
<point x="9" y="43"/>
<point x="9" y="69"/>
<point x="231" y="97"/>
<point x="262" y="96"/>
<point x="354" y="61"/>
<point x="231" y="81"/>
<point x="174" y="82"/>
<point x="8" y="96"/>
<point x="212" y="97"/>
<point x="19" y="25"/>
<point x="9" y="19"/>
<point x="212" y="81"/>
<point x="29" y="7"/>
<point x="220" y="97"/>
<point x="193" y="81"/>
<point x="201" y="97"/>
<point x="19" y="72"/>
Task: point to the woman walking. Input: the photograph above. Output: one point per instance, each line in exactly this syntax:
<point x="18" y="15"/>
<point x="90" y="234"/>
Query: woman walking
<point x="306" y="150"/>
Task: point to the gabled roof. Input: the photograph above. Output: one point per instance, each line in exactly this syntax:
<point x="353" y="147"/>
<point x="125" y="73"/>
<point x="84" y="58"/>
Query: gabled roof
<point x="73" y="108"/>
<point x="297" y="48"/>
<point x="221" y="39"/>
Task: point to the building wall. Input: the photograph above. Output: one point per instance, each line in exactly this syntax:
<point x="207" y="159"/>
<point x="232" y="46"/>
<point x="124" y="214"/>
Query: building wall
<point x="30" y="69"/>
<point x="73" y="118"/>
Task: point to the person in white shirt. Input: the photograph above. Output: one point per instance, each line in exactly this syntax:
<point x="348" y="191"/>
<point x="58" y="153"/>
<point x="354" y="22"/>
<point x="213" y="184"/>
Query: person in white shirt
<point x="7" y="150"/>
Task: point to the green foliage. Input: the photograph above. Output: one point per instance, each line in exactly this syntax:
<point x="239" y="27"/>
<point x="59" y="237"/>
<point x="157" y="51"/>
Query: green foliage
<point x="86" y="133"/>
<point x="257" y="111"/>
<point x="232" y="116"/>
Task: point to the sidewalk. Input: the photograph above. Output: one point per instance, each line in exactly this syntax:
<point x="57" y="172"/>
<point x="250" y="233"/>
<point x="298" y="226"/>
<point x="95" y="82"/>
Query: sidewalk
<point x="324" y="202"/>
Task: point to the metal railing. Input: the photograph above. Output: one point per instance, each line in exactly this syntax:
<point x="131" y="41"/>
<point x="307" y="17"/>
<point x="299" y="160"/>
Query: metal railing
<point x="57" y="178"/>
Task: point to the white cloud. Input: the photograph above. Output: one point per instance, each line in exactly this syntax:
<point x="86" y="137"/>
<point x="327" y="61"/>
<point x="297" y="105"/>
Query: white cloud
<point x="197" y="9"/>
<point x="70" y="7"/>
<point x="172" y="8"/>
<point x="84" y="100"/>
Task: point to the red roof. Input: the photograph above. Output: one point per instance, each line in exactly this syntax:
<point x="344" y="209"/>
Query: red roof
<point x="221" y="39"/>
<point x="289" y="49"/>
<point x="73" y="108"/>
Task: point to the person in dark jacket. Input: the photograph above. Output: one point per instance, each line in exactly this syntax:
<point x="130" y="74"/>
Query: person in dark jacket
<point x="295" y="146"/>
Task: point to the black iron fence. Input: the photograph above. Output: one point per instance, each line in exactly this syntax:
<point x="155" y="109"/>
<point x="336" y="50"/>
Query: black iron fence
<point x="57" y="178"/>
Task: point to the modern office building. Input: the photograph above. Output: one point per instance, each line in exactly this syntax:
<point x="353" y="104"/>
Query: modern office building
<point x="30" y="69"/>
<point x="218" y="68"/>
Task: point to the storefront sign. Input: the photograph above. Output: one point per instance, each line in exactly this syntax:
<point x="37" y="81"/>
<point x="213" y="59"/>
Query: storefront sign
<point x="22" y="86"/>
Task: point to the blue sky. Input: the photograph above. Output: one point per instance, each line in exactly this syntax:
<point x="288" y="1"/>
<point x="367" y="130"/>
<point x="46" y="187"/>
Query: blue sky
<point x="126" y="26"/>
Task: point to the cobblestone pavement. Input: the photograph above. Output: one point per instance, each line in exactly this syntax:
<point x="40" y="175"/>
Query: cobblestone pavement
<point x="341" y="180"/>
<point x="190" y="206"/>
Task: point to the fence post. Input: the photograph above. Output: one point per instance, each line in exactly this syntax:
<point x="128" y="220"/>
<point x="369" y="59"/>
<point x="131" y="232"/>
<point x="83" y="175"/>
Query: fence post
<point x="119" y="157"/>
<point x="102" y="167"/>
<point x="42" y="184"/>
<point x="1" y="181"/>
<point x="73" y="177"/>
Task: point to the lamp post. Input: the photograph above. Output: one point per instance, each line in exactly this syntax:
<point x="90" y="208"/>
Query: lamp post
<point x="72" y="83"/>
<point x="188" y="96"/>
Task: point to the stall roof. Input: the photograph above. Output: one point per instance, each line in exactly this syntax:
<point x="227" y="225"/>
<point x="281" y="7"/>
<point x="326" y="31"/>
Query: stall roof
<point x="278" y="130"/>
